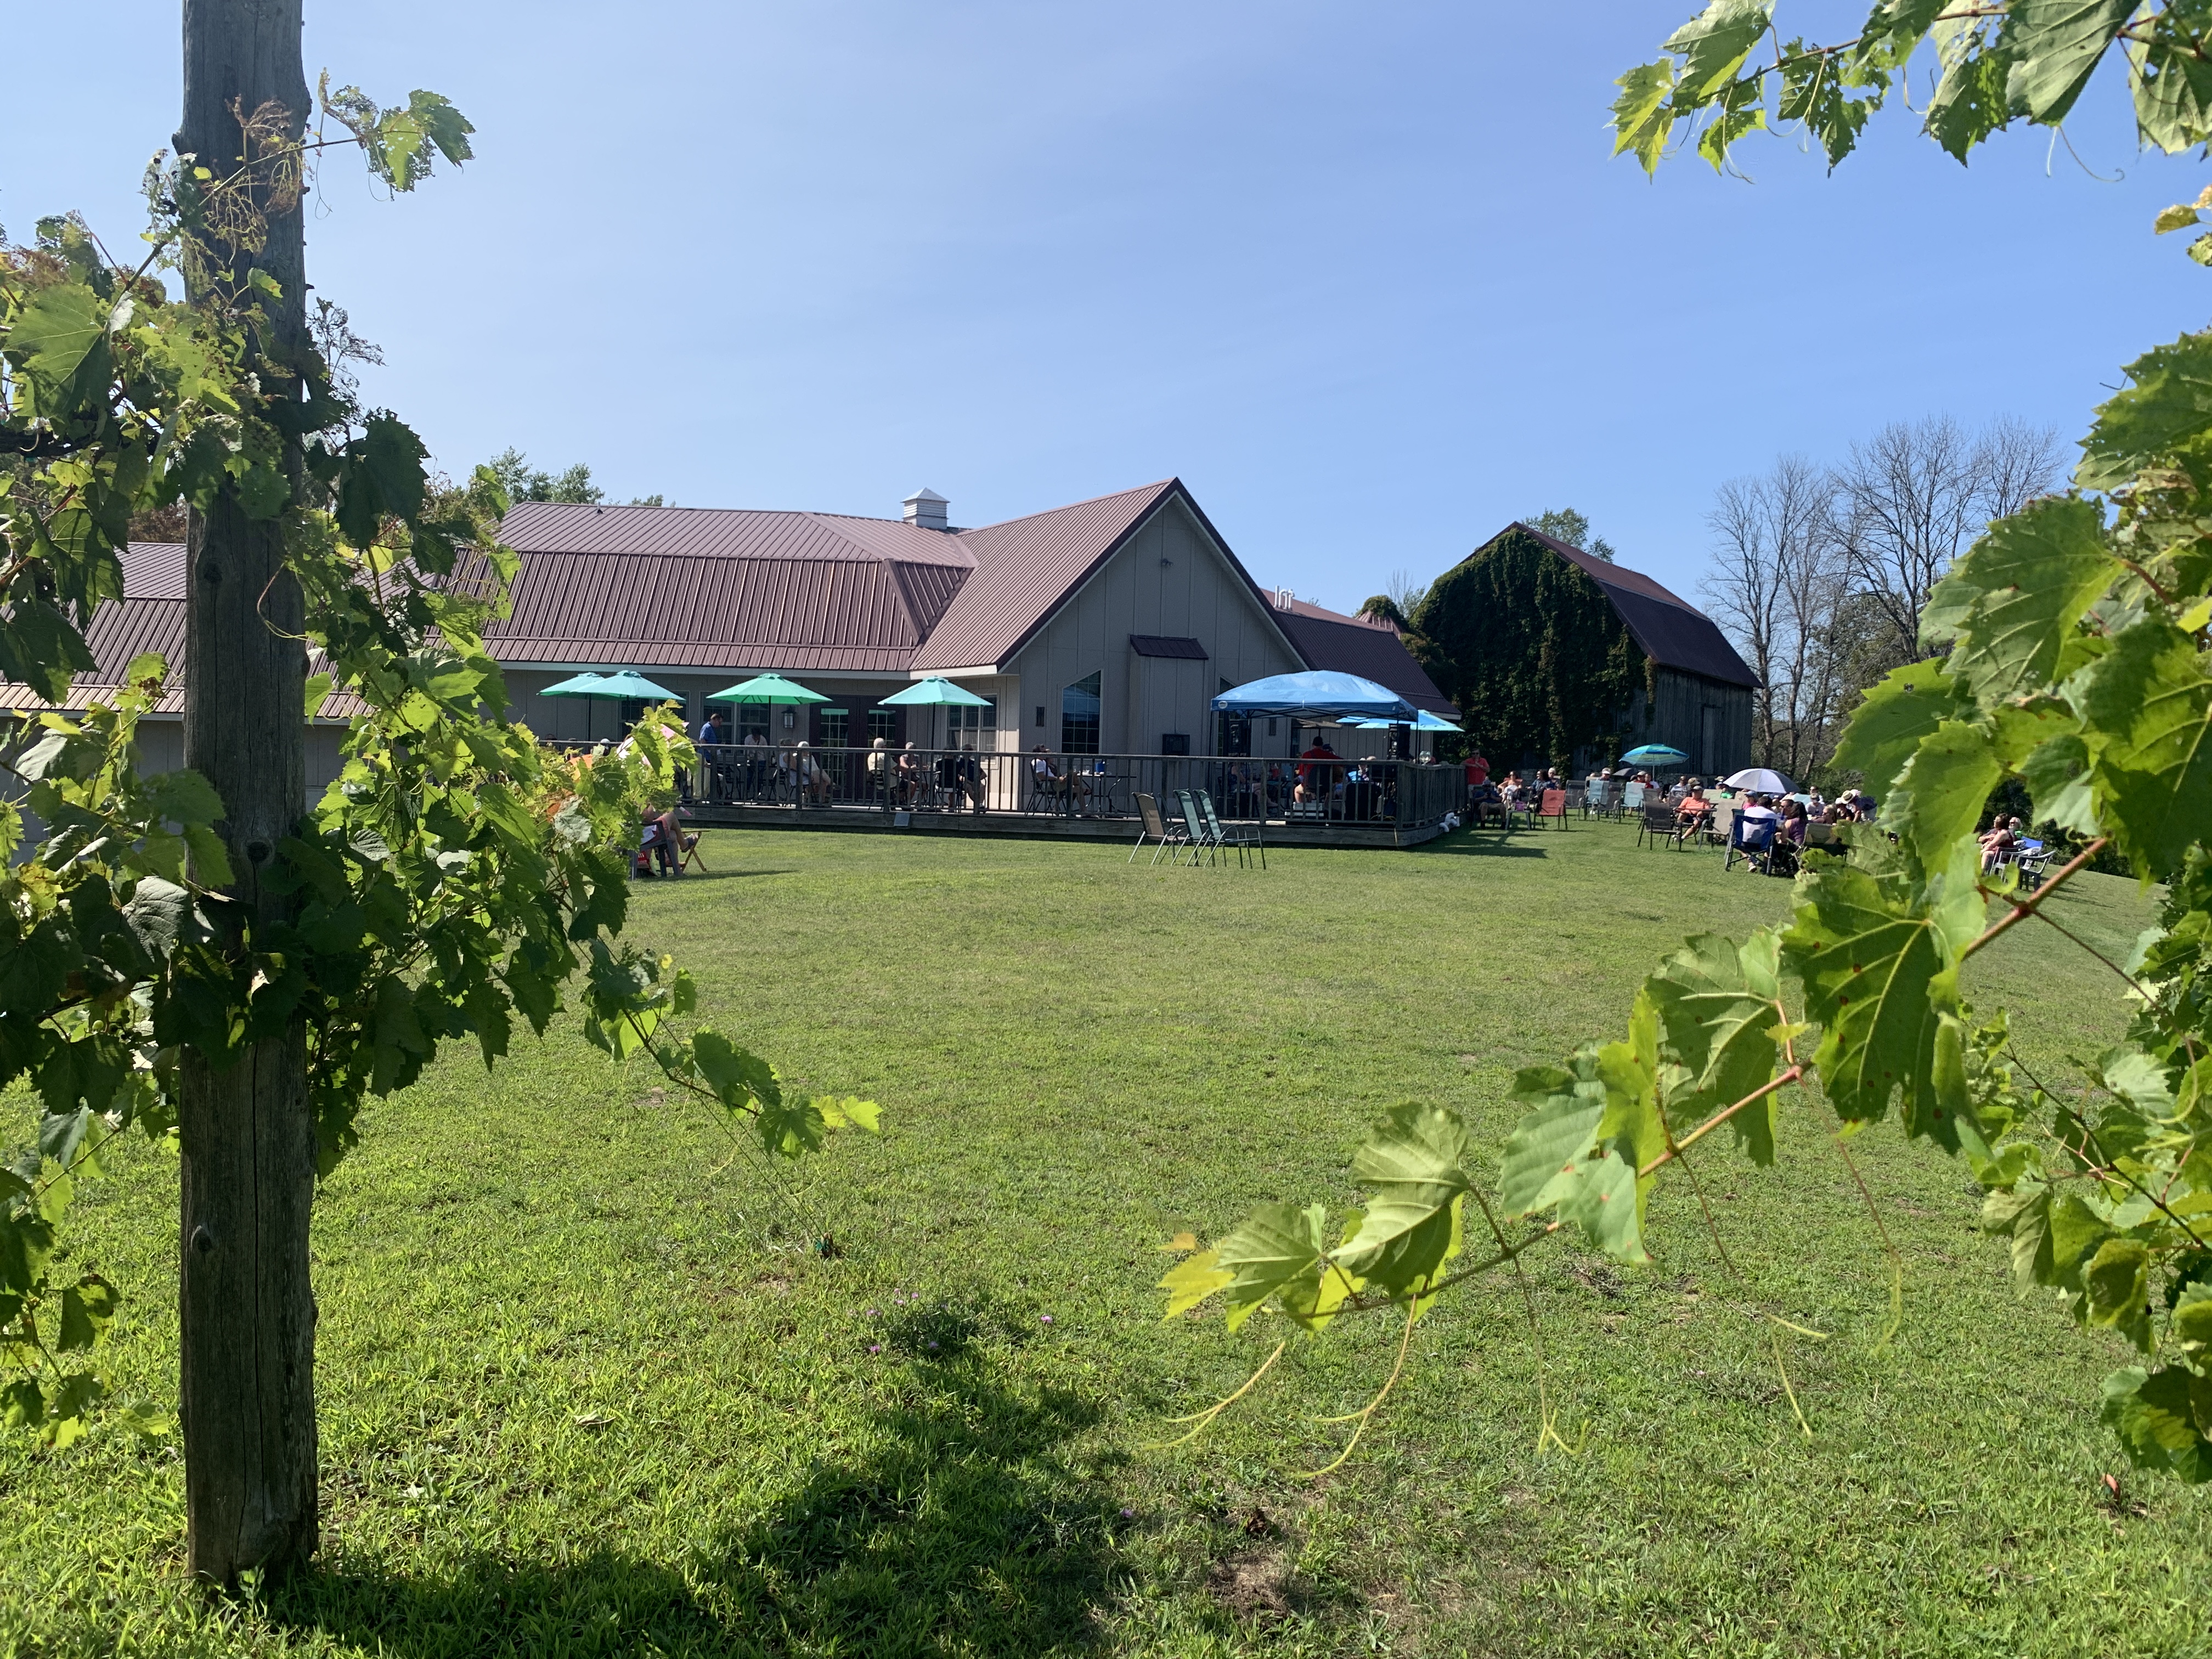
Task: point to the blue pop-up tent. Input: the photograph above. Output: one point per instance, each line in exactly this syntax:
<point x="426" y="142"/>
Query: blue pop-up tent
<point x="1318" y="695"/>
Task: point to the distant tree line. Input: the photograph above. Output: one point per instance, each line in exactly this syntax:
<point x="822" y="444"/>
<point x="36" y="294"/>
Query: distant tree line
<point x="1820" y="573"/>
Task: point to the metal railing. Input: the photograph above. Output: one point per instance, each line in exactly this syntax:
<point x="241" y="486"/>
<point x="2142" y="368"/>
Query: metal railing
<point x="1370" y="794"/>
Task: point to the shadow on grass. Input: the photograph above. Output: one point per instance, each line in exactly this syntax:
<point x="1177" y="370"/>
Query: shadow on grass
<point x="967" y="1529"/>
<point x="1477" y="844"/>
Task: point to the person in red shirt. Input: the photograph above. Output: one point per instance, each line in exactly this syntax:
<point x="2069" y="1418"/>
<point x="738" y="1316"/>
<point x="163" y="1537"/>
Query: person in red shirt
<point x="1477" y="773"/>
<point x="1315" y="783"/>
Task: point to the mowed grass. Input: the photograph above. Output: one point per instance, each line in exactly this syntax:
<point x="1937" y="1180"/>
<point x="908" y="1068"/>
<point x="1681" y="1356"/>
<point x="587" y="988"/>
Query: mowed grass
<point x="585" y="1390"/>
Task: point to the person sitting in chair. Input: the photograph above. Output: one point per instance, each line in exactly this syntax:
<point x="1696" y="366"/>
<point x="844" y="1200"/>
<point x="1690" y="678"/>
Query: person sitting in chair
<point x="968" y="776"/>
<point x="910" y="775"/>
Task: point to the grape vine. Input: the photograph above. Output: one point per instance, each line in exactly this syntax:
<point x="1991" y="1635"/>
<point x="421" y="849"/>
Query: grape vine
<point x="456" y="875"/>
<point x="2072" y="656"/>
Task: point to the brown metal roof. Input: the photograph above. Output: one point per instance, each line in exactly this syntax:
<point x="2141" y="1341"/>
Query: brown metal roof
<point x="714" y="587"/>
<point x="1351" y="645"/>
<point x="153" y="570"/>
<point x="1671" y="632"/>
<point x="1025" y="568"/>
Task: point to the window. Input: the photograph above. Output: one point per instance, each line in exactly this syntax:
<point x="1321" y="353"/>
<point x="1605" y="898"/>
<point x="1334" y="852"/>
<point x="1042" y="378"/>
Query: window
<point x="883" y="723"/>
<point x="1079" y="717"/>
<point x="977" y="726"/>
<point x="834" y="721"/>
<point x="752" y="721"/>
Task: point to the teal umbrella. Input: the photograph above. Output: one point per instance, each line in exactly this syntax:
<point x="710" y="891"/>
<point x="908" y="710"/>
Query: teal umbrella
<point x="936" y="692"/>
<point x="579" y="685"/>
<point x="633" y="687"/>
<point x="1655" y="754"/>
<point x="767" y="688"/>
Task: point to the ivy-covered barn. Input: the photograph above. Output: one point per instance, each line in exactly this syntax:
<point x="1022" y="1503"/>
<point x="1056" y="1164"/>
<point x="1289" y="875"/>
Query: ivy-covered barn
<point x="1556" y="657"/>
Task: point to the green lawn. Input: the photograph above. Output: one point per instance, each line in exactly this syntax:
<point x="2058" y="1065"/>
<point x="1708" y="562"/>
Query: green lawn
<point x="585" y="1391"/>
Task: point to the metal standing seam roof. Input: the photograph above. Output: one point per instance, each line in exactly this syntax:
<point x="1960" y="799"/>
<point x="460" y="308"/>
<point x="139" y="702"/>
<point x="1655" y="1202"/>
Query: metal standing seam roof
<point x="1352" y="646"/>
<point x="714" y="587"/>
<point x="1025" y="568"/>
<point x="149" y="616"/>
<point x="1671" y="631"/>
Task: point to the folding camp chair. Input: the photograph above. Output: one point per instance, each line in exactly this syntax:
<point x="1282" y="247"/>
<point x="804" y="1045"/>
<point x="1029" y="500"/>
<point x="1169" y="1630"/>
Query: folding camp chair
<point x="1166" y="839"/>
<point x="691" y="852"/>
<point x="1195" y="826"/>
<point x="1751" y="840"/>
<point x="1631" y="797"/>
<point x="1552" y="804"/>
<point x="1245" y="837"/>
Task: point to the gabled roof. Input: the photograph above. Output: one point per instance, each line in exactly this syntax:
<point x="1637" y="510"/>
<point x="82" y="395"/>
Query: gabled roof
<point x="149" y="616"/>
<point x="1352" y="645"/>
<point x="723" y="588"/>
<point x="1671" y="632"/>
<point x="1025" y="568"/>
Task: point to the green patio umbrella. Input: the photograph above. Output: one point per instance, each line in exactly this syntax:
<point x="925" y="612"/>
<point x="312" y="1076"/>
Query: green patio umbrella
<point x="767" y="688"/>
<point x="935" y="692"/>
<point x="626" y="685"/>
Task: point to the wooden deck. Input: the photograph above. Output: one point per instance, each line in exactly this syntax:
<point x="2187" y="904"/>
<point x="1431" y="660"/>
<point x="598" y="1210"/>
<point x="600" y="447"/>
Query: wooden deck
<point x="1035" y="826"/>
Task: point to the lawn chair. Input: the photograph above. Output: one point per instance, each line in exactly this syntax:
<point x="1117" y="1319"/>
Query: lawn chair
<point x="1658" y="824"/>
<point x="1631" y="799"/>
<point x="1597" y="799"/>
<point x="1720" y="825"/>
<point x="2033" y="861"/>
<point x="1166" y="839"/>
<point x="691" y="858"/>
<point x="1752" y="841"/>
<point x="1245" y="837"/>
<point x="1552" y="804"/>
<point x="1194" y="827"/>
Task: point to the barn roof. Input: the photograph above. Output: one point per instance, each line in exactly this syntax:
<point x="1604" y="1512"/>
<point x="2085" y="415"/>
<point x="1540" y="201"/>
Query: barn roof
<point x="1671" y="632"/>
<point x="1351" y="645"/>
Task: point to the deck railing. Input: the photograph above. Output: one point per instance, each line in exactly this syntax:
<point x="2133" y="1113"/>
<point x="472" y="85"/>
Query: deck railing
<point x="1372" y="794"/>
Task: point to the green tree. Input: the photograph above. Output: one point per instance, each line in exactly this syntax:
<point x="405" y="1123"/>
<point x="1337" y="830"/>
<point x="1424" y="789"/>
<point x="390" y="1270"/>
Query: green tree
<point x="1569" y="526"/>
<point x="1558" y="678"/>
<point x="523" y="483"/>
<point x="204" y="954"/>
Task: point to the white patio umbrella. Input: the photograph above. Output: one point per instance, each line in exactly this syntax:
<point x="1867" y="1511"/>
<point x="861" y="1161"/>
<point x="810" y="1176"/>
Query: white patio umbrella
<point x="1760" y="780"/>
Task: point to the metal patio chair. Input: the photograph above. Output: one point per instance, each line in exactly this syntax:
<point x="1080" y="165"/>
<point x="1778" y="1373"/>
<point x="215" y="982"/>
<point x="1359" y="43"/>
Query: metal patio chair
<point x="1166" y="839"/>
<point x="1245" y="837"/>
<point x="1194" y="827"/>
<point x="1658" y="824"/>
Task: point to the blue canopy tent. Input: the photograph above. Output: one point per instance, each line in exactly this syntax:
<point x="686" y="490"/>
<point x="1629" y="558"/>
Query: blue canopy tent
<point x="1319" y="696"/>
<point x="1425" y="722"/>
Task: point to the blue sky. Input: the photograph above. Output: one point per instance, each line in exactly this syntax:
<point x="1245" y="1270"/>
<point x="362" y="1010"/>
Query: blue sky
<point x="1364" y="277"/>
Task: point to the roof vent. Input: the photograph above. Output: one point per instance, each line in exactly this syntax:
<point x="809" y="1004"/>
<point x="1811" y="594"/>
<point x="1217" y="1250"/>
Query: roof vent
<point x="925" y="509"/>
<point x="1284" y="599"/>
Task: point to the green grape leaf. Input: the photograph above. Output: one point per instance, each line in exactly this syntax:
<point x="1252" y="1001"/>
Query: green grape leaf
<point x="1813" y="92"/>
<point x="1970" y="102"/>
<point x="1547" y="1148"/>
<point x="2173" y="94"/>
<point x="1718" y="1018"/>
<point x="58" y="340"/>
<point x="1605" y="1205"/>
<point x="1642" y="117"/>
<point x="2152" y="774"/>
<point x="792" y="1126"/>
<point x="88" y="1308"/>
<point x="2117" y="1279"/>
<point x="1878" y="974"/>
<point x="2025" y="1218"/>
<point x="1714" y="44"/>
<point x="1413" y="1167"/>
<point x="1633" y="1124"/>
<point x="2056" y="44"/>
<point x="737" y="1078"/>
<point x="2162" y="1417"/>
<point x="2008" y="605"/>
<point x="1276" y="1244"/>
<point x="2057" y="773"/>
<point x="1939" y="796"/>
<point x="22" y="1404"/>
<point x="184" y="797"/>
<point x="1193" y="1279"/>
<point x="2168" y="407"/>
<point x="1899" y="709"/>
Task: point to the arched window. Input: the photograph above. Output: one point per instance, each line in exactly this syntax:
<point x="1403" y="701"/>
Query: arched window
<point x="1079" y="717"/>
